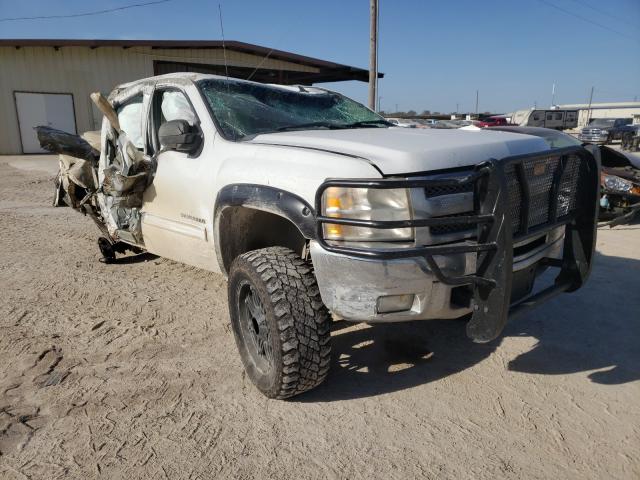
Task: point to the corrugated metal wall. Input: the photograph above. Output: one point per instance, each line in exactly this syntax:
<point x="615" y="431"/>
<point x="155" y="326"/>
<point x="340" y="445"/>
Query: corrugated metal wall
<point x="82" y="70"/>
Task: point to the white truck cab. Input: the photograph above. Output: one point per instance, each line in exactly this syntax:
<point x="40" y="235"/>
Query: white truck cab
<point x="316" y="207"/>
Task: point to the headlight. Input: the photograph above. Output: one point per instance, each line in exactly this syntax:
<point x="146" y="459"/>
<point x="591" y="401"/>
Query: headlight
<point x="611" y="182"/>
<point x="366" y="204"/>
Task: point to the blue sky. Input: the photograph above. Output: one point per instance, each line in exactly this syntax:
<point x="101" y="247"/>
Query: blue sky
<point x="434" y="54"/>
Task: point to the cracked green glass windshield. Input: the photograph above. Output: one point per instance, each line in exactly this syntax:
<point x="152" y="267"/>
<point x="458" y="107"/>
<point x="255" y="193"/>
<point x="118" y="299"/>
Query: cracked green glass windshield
<point x="244" y="109"/>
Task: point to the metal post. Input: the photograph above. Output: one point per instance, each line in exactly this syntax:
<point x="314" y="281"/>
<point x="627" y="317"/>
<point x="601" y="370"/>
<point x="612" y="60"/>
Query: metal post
<point x="373" y="54"/>
<point x="477" y="94"/>
<point x="589" y="109"/>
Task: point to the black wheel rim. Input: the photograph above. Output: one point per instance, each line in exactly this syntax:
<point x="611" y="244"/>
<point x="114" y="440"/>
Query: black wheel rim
<point x="254" y="326"/>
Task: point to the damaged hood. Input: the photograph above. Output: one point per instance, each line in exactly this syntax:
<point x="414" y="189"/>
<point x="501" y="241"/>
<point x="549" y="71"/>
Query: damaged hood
<point x="403" y="150"/>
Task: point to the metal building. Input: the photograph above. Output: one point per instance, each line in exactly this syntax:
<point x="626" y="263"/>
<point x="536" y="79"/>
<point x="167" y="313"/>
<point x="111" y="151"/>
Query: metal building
<point x="48" y="82"/>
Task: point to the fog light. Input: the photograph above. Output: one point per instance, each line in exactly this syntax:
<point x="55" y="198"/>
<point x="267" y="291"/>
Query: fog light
<point x="395" y="303"/>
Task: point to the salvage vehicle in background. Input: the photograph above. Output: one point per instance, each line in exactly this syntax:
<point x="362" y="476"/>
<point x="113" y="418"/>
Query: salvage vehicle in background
<point x="455" y="124"/>
<point x="315" y="206"/>
<point x="425" y="122"/>
<point x="619" y="178"/>
<point x="493" y="121"/>
<point x="630" y="138"/>
<point x="620" y="197"/>
<point x="402" y="122"/>
<point x="604" y="130"/>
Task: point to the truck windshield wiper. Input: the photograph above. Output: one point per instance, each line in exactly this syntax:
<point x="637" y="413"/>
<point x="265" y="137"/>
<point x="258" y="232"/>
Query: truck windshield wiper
<point x="334" y="126"/>
<point x="369" y="123"/>
<point x="310" y="125"/>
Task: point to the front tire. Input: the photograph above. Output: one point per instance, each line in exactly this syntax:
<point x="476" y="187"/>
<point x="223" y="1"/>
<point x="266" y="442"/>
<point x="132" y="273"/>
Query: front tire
<point x="281" y="326"/>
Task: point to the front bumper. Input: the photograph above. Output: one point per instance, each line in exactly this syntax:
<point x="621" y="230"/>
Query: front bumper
<point x="352" y="278"/>
<point x="351" y="287"/>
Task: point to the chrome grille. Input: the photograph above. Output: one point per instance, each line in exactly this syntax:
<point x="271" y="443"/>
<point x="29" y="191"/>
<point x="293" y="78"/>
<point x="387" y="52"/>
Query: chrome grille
<point x="441" y="191"/>
<point x="540" y="175"/>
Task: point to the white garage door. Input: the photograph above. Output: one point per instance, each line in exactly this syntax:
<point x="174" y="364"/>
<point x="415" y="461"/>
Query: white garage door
<point x="49" y="109"/>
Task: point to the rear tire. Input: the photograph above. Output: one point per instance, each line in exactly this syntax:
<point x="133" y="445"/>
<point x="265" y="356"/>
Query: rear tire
<point x="281" y="326"/>
<point x="107" y="250"/>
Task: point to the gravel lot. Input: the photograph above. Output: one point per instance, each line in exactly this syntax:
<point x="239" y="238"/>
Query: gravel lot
<point x="131" y="371"/>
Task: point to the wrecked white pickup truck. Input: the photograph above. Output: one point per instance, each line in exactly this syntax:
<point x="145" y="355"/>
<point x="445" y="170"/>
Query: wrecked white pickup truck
<point x="313" y="205"/>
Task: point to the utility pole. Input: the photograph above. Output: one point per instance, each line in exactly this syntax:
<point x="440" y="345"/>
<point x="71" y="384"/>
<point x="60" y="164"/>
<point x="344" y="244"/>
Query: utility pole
<point x="477" y="94"/>
<point x="589" y="110"/>
<point x="373" y="54"/>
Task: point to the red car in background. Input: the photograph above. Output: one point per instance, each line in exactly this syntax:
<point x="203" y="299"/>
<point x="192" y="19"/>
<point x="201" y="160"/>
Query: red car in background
<point x="494" y="121"/>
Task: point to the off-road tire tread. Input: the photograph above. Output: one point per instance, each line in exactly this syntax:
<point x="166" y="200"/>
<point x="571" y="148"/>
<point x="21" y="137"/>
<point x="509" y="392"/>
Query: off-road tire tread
<point x="303" y="321"/>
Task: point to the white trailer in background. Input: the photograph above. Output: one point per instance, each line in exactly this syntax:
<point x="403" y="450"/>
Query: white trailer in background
<point x="539" y="117"/>
<point x="554" y="118"/>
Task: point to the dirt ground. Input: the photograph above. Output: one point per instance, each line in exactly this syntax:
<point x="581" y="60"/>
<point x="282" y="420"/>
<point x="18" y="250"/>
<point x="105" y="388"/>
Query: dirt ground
<point x="131" y="371"/>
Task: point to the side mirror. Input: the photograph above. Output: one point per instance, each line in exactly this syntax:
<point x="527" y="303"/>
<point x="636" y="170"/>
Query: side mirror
<point x="178" y="135"/>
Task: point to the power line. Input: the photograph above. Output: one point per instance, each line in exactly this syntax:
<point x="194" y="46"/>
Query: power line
<point x="86" y="14"/>
<point x="604" y="12"/>
<point x="584" y="19"/>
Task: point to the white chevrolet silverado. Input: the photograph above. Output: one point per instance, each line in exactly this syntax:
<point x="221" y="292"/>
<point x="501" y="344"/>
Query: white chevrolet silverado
<point x="316" y="207"/>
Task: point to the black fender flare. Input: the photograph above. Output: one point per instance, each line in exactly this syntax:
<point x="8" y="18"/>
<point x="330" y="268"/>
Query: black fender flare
<point x="268" y="199"/>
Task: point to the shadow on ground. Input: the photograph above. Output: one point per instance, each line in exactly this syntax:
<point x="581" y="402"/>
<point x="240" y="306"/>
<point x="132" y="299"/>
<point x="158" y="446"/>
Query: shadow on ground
<point x="134" y="258"/>
<point x="599" y="330"/>
<point x="595" y="328"/>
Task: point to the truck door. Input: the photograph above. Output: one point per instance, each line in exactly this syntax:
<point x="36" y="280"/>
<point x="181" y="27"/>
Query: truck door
<point x="173" y="224"/>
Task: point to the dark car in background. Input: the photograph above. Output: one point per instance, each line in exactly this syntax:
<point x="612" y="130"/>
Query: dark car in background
<point x="604" y="130"/>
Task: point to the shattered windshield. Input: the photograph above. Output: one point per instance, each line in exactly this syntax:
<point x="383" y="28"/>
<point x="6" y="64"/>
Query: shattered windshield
<point x="244" y="109"/>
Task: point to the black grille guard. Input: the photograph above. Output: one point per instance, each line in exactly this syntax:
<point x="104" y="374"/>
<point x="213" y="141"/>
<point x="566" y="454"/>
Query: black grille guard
<point x="494" y="241"/>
